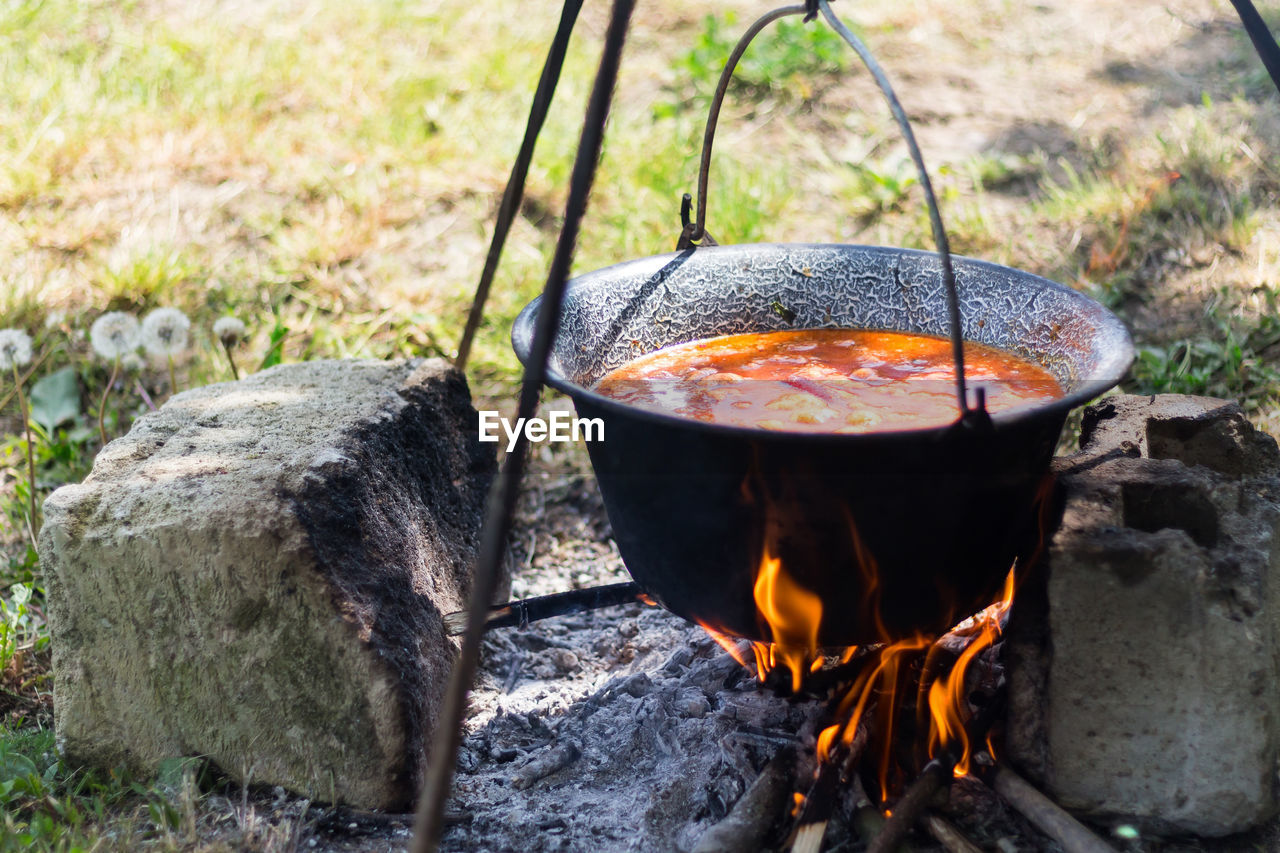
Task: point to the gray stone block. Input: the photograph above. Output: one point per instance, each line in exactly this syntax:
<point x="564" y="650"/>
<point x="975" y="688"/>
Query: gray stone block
<point x="256" y="574"/>
<point x="1143" y="657"/>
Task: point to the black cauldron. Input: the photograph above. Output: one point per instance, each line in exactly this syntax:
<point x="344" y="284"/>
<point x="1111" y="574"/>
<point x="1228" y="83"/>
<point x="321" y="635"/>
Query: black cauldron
<point x="898" y="532"/>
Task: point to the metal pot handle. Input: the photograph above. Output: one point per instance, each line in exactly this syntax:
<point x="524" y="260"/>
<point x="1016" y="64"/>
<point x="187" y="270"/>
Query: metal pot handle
<point x="694" y="233"/>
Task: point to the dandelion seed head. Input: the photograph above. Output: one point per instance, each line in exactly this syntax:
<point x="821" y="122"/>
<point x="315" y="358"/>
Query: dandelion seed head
<point x="164" y="332"/>
<point x="229" y="330"/>
<point x="15" y="348"/>
<point x="114" y="334"/>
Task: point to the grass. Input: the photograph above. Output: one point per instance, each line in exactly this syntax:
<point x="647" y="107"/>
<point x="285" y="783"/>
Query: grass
<point x="48" y="807"/>
<point x="1235" y="360"/>
<point x="789" y="59"/>
<point x="328" y="172"/>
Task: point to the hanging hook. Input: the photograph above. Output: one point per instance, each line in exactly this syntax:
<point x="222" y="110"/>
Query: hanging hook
<point x="693" y="234"/>
<point x="688" y="228"/>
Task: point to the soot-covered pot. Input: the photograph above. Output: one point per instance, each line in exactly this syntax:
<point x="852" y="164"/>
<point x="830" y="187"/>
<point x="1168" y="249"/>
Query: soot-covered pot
<point x="897" y="532"/>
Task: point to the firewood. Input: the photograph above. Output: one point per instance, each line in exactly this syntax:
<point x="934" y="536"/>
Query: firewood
<point x="935" y="774"/>
<point x="809" y="838"/>
<point x="948" y="836"/>
<point x="911" y="804"/>
<point x="811" y="826"/>
<point x="755" y="813"/>
<point x="550" y="760"/>
<point x="1047" y="815"/>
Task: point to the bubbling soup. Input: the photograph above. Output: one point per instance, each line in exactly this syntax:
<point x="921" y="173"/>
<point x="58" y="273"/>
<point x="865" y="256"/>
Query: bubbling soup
<point x="824" y="380"/>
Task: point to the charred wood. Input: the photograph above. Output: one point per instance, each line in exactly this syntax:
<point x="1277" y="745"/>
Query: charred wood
<point x="756" y="812"/>
<point x="911" y="805"/>
<point x="816" y="813"/>
<point x="936" y="773"/>
<point x="551" y="760"/>
<point x="820" y="801"/>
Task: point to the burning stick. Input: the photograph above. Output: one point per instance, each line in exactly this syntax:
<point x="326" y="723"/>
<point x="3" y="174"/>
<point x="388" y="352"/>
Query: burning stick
<point x="912" y="804"/>
<point x="756" y="811"/>
<point x="521" y="613"/>
<point x="1048" y="817"/>
<point x="816" y="815"/>
<point x="817" y="684"/>
<point x="811" y="827"/>
<point x="937" y="772"/>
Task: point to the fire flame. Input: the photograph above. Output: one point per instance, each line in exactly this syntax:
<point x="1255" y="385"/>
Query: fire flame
<point x="730" y="645"/>
<point x="882" y="678"/>
<point x="793" y="615"/>
<point x="947" y="693"/>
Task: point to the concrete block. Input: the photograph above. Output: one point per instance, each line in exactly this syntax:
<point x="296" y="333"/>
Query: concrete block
<point x="1144" y="658"/>
<point x="256" y="574"/>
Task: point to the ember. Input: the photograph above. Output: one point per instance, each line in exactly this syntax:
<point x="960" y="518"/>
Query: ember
<point x="884" y="676"/>
<point x="901" y="708"/>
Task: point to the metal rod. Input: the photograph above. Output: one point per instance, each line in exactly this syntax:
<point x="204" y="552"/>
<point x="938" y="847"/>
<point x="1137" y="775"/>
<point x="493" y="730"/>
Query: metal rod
<point x="428" y="824"/>
<point x="514" y="192"/>
<point x="695" y="232"/>
<point x="935" y="215"/>
<point x="522" y="612"/>
<point x="1263" y="42"/>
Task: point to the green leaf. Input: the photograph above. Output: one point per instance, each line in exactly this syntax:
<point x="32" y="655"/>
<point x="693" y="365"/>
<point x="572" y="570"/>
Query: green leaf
<point x="274" y="352"/>
<point x="171" y="770"/>
<point x="16" y="767"/>
<point x="55" y="399"/>
<point x="163" y="814"/>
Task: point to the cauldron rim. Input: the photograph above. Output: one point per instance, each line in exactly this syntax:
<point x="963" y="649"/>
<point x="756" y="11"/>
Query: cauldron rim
<point x="1113" y="368"/>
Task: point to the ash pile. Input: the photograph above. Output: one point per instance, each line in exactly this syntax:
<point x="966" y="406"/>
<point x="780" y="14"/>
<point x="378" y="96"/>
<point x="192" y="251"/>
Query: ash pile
<point x="645" y="755"/>
<point x="630" y="729"/>
<point x="624" y="728"/>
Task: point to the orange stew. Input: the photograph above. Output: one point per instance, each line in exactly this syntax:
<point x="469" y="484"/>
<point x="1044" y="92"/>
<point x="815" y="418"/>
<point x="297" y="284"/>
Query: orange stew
<point x="824" y="380"/>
